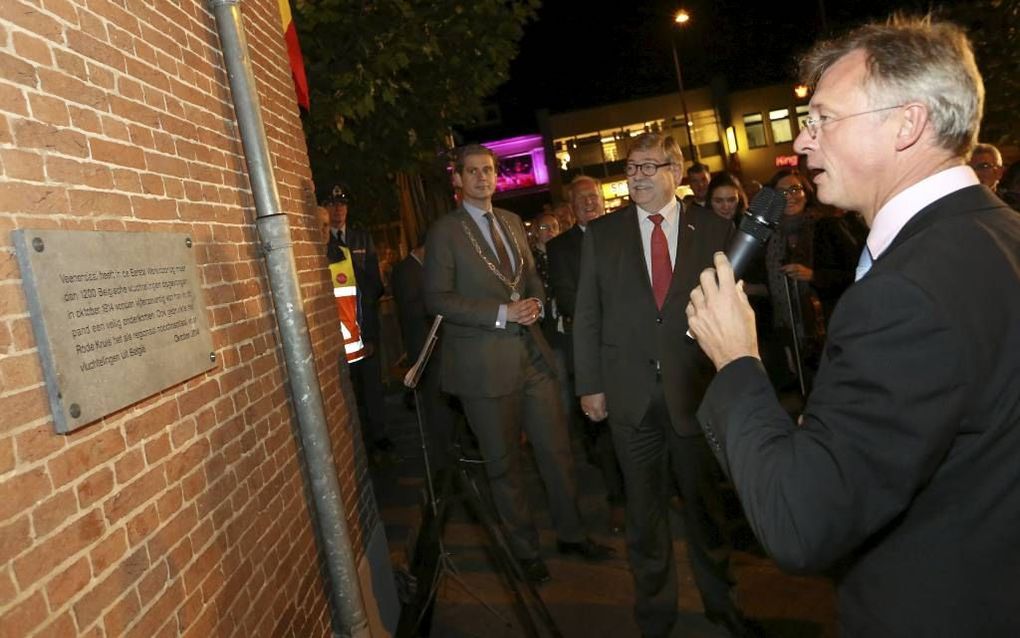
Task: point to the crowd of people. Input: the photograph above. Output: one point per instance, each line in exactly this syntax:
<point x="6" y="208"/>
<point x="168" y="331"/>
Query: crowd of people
<point x="868" y="428"/>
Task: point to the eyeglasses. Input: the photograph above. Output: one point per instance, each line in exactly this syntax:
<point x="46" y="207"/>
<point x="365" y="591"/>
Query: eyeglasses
<point x="544" y="226"/>
<point x="796" y="189"/>
<point x="647" y="169"/>
<point x="814" y="124"/>
<point x="984" y="166"/>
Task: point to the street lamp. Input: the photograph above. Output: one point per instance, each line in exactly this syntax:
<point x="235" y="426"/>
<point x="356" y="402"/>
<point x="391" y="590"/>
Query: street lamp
<point x="681" y="18"/>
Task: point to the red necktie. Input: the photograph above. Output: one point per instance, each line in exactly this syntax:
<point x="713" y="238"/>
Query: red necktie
<point x="662" y="267"/>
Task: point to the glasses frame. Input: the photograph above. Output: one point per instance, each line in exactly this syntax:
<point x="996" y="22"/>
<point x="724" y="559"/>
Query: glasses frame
<point x="814" y="124"/>
<point x="632" y="169"/>
<point x="796" y="188"/>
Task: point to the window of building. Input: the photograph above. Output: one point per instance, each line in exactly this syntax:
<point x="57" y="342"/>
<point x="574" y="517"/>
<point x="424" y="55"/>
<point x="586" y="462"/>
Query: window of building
<point x="782" y="130"/>
<point x="802" y="113"/>
<point x="754" y="128"/>
<point x="609" y="148"/>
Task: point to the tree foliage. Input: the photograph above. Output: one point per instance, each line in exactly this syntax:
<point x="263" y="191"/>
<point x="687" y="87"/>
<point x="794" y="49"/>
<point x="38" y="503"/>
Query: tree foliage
<point x="388" y="78"/>
<point x="994" y="28"/>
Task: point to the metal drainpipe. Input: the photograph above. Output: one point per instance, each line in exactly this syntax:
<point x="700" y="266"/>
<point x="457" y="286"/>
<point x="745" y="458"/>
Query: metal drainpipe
<point x="274" y="234"/>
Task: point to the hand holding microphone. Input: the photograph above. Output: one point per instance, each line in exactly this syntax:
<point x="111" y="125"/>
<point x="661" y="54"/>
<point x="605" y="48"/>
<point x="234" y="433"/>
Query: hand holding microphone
<point x="719" y="315"/>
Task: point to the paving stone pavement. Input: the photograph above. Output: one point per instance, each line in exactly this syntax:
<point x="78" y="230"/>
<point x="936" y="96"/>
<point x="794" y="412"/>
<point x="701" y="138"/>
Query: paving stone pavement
<point x="585" y="600"/>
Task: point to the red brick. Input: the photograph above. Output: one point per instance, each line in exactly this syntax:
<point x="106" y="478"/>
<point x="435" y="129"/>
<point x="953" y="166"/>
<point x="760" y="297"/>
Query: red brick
<point x="122" y="614"/>
<point x="22" y="491"/>
<point x="20" y="197"/>
<point x="49" y="110"/>
<point x="141" y="525"/>
<point x="116" y="129"/>
<point x="14" y="69"/>
<point x="20" y="372"/>
<point x="170" y="503"/>
<point x="94" y="487"/>
<point x="6" y="455"/>
<point x="81" y="458"/>
<point x="151" y="208"/>
<point x="150" y="422"/>
<point x="183" y="462"/>
<point x="115" y="153"/>
<point x="85" y="119"/>
<point x="129" y="466"/>
<point x="94" y="49"/>
<point x="152" y="184"/>
<point x="68" y="171"/>
<point x="102" y="594"/>
<point x="140" y="491"/>
<point x="89" y="202"/>
<point x="66" y="585"/>
<point x="45" y="556"/>
<point x="20" y="620"/>
<point x="32" y="48"/>
<point x="64" y="9"/>
<point x="161" y="611"/>
<point x="157" y="449"/>
<point x="196" y="398"/>
<point x="38" y="442"/>
<point x="12" y="100"/>
<point x="108" y="551"/>
<point x="126" y="181"/>
<point x="31" y="134"/>
<point x="15" y="538"/>
<point x="154" y="582"/>
<point x="72" y="89"/>
<point x="22" y="165"/>
<point x="64" y="626"/>
<point x="53" y="513"/>
<point x="173" y="532"/>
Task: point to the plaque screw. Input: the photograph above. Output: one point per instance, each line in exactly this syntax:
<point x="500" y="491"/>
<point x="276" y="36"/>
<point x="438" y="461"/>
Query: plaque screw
<point x="187" y="242"/>
<point x="75" y="410"/>
<point x="212" y="357"/>
<point x="37" y="243"/>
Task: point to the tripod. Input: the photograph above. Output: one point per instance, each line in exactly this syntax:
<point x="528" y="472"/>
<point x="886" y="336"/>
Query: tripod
<point x="433" y="560"/>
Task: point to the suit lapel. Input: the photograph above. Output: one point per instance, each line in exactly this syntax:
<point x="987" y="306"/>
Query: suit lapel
<point x="476" y="233"/>
<point x="634" y="253"/>
<point x="685" y="248"/>
<point x="513" y="240"/>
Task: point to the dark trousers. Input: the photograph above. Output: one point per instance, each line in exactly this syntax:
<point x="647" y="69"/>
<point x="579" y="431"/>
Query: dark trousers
<point x="654" y="458"/>
<point x="497" y="423"/>
<point x="598" y="442"/>
<point x="438" y="415"/>
<point x="366" y="377"/>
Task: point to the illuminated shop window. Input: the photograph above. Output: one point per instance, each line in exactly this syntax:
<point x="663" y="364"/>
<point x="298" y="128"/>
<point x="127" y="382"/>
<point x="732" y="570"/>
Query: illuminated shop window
<point x="782" y="130"/>
<point x="754" y="128"/>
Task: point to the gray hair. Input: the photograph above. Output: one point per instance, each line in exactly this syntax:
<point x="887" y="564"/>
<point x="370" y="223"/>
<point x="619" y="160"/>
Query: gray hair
<point x="988" y="149"/>
<point x="912" y="59"/>
<point x="581" y="179"/>
<point x="658" y="141"/>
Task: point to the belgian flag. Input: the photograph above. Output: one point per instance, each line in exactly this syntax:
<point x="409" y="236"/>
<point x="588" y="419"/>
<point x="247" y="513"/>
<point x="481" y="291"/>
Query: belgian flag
<point x="297" y="63"/>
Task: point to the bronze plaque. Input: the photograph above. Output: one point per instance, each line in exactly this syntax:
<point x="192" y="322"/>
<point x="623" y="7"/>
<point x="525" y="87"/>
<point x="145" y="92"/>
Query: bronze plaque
<point x="117" y="317"/>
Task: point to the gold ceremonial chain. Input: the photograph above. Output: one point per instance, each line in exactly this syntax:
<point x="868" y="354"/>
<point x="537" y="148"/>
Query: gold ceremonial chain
<point x="512" y="285"/>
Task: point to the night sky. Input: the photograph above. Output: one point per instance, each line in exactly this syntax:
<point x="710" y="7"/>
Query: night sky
<point x="575" y="57"/>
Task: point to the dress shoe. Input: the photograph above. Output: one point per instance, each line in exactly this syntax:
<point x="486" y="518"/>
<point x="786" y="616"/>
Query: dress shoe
<point x="735" y="623"/>
<point x="586" y="549"/>
<point x="535" y="570"/>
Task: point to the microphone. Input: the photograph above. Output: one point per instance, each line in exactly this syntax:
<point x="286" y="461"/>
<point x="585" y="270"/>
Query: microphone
<point x="756" y="225"/>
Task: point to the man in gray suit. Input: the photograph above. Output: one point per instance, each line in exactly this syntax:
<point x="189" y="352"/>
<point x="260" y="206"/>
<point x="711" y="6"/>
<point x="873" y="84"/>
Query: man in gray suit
<point x="480" y="275"/>
<point x="634" y="365"/>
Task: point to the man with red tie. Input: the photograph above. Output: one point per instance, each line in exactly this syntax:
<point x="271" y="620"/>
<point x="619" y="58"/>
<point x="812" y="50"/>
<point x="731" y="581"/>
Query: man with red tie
<point x="634" y="364"/>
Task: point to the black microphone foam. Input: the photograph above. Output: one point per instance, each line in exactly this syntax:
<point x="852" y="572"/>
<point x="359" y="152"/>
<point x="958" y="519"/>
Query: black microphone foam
<point x="756" y="225"/>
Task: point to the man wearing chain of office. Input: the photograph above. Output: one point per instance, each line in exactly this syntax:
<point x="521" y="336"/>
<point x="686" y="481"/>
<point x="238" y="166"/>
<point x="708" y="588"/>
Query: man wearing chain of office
<point x="480" y="276"/>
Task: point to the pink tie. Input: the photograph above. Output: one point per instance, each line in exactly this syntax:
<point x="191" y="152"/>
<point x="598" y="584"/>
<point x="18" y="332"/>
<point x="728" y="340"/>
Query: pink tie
<point x="662" y="267"/>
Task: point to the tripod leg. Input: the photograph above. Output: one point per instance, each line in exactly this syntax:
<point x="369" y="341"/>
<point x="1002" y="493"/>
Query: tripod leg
<point x="511" y="569"/>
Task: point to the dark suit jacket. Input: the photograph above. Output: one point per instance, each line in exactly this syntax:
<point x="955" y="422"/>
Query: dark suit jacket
<point x="621" y="338"/>
<point x="904" y="476"/>
<point x="478" y="359"/>
<point x="366" y="272"/>
<point x="565" y="271"/>
<point x="408" y="283"/>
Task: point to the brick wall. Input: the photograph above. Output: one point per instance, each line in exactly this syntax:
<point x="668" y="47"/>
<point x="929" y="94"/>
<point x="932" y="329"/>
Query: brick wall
<point x="185" y="514"/>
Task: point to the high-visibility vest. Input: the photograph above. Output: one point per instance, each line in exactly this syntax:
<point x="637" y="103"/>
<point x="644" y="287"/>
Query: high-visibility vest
<point x="345" y="293"/>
